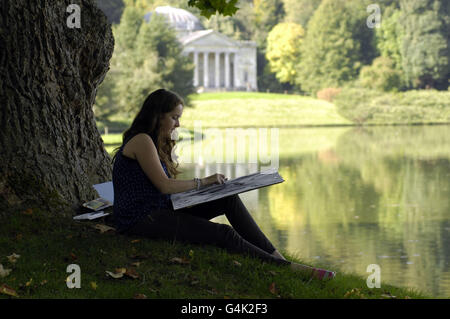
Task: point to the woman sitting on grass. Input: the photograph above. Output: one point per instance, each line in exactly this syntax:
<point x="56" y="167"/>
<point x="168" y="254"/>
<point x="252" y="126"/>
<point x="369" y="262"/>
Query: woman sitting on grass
<point x="144" y="177"/>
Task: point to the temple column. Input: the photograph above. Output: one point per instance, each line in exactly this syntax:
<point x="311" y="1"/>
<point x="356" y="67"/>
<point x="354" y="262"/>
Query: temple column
<point x="227" y="69"/>
<point x="217" y="70"/>
<point x="205" y="69"/>
<point x="236" y="82"/>
<point x="196" y="68"/>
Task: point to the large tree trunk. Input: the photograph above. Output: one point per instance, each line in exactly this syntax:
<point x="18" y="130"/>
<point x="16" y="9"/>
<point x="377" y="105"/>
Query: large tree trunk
<point x="49" y="74"/>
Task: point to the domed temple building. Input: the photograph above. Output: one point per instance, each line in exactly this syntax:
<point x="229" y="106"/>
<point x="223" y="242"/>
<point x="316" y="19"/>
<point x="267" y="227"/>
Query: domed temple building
<point x="221" y="63"/>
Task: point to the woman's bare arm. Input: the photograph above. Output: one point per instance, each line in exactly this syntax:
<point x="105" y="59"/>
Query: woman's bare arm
<point x="144" y="150"/>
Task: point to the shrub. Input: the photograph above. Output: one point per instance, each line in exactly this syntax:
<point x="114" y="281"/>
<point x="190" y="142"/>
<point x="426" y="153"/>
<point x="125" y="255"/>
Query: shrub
<point x="375" y="107"/>
<point x="328" y="94"/>
<point x="381" y="75"/>
<point x="353" y="104"/>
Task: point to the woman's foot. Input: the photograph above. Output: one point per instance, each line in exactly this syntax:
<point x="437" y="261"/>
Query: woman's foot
<point x="320" y="274"/>
<point x="323" y="274"/>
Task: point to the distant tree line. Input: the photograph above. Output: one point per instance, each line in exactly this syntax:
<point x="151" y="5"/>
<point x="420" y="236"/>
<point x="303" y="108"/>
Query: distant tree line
<point x="340" y="46"/>
<point x="303" y="46"/>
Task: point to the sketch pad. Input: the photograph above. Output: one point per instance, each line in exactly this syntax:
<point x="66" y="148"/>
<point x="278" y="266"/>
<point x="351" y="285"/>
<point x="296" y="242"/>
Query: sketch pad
<point x="231" y="187"/>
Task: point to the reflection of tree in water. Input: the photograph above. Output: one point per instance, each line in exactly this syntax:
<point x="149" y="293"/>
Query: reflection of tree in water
<point x="410" y="168"/>
<point x="419" y="142"/>
<point x="319" y="196"/>
<point x="372" y="199"/>
<point x="409" y="180"/>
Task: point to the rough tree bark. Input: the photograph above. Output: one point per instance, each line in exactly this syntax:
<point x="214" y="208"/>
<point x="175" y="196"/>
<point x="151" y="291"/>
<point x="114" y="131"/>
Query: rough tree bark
<point x="49" y="74"/>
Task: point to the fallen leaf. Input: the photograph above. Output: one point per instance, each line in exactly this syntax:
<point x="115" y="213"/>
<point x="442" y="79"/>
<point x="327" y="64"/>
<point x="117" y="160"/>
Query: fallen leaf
<point x="94" y="285"/>
<point x="120" y="270"/>
<point x="103" y="228"/>
<point x="28" y="212"/>
<point x="115" y="275"/>
<point x="237" y="263"/>
<point x="4" y="289"/>
<point x="140" y="296"/>
<point x="4" y="272"/>
<point x="13" y="258"/>
<point x="130" y="272"/>
<point x="273" y="288"/>
<point x="355" y="292"/>
<point x="28" y="283"/>
<point x="180" y="261"/>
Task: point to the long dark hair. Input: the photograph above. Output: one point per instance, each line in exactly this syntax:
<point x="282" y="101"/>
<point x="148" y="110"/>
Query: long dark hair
<point x="147" y="121"/>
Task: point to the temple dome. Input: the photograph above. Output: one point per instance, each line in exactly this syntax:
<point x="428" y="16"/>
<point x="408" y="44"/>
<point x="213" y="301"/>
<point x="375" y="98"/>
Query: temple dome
<point x="181" y="20"/>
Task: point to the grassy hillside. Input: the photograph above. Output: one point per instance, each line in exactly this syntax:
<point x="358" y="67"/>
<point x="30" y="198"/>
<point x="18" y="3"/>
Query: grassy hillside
<point x="241" y="110"/>
<point x="249" y="109"/>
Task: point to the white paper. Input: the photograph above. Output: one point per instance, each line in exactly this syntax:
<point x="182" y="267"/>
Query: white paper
<point x="105" y="190"/>
<point x="91" y="216"/>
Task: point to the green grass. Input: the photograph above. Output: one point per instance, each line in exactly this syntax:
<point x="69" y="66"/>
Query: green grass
<point x="240" y="95"/>
<point x="48" y="245"/>
<point x="242" y="109"/>
<point x="111" y="141"/>
<point x="247" y="109"/>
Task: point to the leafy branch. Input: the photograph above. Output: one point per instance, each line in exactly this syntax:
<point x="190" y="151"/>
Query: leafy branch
<point x="210" y="7"/>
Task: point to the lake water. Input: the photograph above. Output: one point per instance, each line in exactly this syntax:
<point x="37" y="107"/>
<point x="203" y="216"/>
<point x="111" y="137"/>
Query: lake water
<point x="352" y="197"/>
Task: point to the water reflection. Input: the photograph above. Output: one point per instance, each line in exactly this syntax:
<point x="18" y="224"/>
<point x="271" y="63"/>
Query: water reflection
<point x="354" y="197"/>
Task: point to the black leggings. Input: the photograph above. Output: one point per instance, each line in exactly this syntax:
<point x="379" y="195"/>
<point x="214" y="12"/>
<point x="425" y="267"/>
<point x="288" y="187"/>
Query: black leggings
<point x="193" y="225"/>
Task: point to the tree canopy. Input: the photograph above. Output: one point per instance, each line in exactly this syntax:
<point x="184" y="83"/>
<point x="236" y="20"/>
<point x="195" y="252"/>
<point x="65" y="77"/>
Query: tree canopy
<point x="426" y="42"/>
<point x="283" y="50"/>
<point x="147" y="56"/>
<point x="336" y="46"/>
<point x="300" y="11"/>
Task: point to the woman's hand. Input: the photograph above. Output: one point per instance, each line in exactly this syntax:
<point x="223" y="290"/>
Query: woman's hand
<point x="213" y="179"/>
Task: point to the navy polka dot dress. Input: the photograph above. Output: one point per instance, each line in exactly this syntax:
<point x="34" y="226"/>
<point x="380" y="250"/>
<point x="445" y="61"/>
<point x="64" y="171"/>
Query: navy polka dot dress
<point x="134" y="194"/>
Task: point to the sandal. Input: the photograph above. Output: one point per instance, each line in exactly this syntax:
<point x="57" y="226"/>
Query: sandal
<point x="323" y="274"/>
